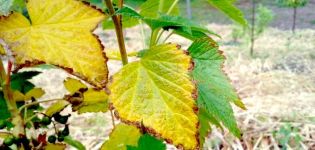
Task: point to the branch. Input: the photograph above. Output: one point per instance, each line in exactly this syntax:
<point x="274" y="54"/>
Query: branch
<point x="119" y="32"/>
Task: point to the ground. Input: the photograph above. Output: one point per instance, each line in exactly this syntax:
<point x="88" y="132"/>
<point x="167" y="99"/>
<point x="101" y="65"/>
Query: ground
<point x="277" y="84"/>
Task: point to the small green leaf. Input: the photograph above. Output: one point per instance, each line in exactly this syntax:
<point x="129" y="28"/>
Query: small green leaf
<point x="228" y="8"/>
<point x="75" y="143"/>
<point x="19" y="81"/>
<point x="180" y="25"/>
<point x="214" y="89"/>
<point x="5" y="114"/>
<point x="121" y="136"/>
<point x="148" y="142"/>
<point x="18" y="6"/>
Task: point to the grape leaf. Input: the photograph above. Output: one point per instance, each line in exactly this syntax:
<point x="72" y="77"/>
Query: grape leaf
<point x="121" y="136"/>
<point x="228" y="8"/>
<point x="158" y="93"/>
<point x="58" y="33"/>
<point x="214" y="88"/>
<point x="147" y="142"/>
<point x="56" y="107"/>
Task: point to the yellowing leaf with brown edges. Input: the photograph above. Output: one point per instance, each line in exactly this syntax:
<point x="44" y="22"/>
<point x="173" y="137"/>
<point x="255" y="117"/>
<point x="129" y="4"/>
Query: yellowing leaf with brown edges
<point x="58" y="33"/>
<point x="157" y="92"/>
<point x="86" y="100"/>
<point x="121" y="136"/>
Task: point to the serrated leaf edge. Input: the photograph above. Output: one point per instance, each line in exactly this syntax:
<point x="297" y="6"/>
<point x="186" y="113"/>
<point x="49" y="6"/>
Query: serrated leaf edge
<point x="151" y="131"/>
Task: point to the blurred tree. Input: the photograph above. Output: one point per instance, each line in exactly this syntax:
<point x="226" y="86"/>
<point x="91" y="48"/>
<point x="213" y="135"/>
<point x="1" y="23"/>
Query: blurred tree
<point x="293" y="4"/>
<point x="260" y="20"/>
<point x="188" y="9"/>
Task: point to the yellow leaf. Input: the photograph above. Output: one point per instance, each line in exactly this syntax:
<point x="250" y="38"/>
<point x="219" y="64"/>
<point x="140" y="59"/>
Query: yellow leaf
<point x="73" y="85"/>
<point x="157" y="92"/>
<point x="58" y="33"/>
<point x="121" y="136"/>
<point x="50" y="146"/>
<point x="56" y="107"/>
<point x="93" y="101"/>
<point x="35" y="92"/>
<point x="2" y="51"/>
<point x="18" y="96"/>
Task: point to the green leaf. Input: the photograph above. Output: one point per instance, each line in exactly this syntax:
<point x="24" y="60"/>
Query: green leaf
<point x="152" y="8"/>
<point x="214" y="89"/>
<point x="121" y="136"/>
<point x="18" y="6"/>
<point x="157" y="91"/>
<point x="148" y="142"/>
<point x="180" y="25"/>
<point x="292" y="3"/>
<point x="127" y="20"/>
<point x="228" y="8"/>
<point x="19" y="81"/>
<point x="6" y="6"/>
<point x="205" y="127"/>
<point x="97" y="3"/>
<point x="76" y="144"/>
<point x="5" y="114"/>
<point x="205" y="119"/>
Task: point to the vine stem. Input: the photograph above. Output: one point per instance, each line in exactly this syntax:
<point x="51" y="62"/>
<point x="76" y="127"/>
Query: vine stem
<point x="11" y="104"/>
<point x="113" y="118"/>
<point x="167" y="37"/>
<point x="37" y="102"/>
<point x="118" y="29"/>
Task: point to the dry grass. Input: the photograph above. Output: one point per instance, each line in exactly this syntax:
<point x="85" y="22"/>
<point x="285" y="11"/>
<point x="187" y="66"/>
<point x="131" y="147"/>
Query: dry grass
<point x="277" y="86"/>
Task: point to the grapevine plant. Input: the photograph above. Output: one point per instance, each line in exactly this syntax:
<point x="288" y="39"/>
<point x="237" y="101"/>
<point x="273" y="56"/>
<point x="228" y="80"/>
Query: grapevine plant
<point x="168" y="95"/>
